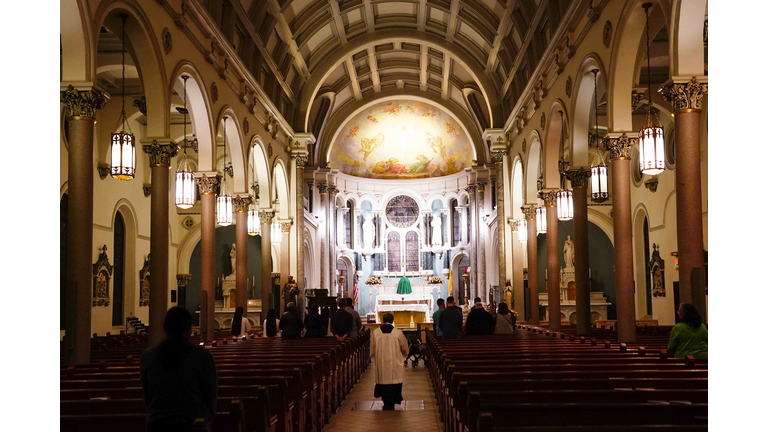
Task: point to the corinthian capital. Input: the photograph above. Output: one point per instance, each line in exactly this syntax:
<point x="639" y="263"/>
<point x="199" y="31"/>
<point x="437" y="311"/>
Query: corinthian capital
<point x="301" y="160"/>
<point x="322" y="188"/>
<point x="620" y="147"/>
<point x="332" y="191"/>
<point x="471" y="189"/>
<point x="685" y="95"/>
<point x="497" y="156"/>
<point x="481" y="186"/>
<point x="266" y="216"/>
<point x="529" y="212"/>
<point x="207" y="185"/>
<point x="578" y="177"/>
<point x="160" y="154"/>
<point x="241" y="203"/>
<point x="285" y="227"/>
<point x="514" y="224"/>
<point x="82" y="103"/>
<point x="183" y="279"/>
<point x="549" y="197"/>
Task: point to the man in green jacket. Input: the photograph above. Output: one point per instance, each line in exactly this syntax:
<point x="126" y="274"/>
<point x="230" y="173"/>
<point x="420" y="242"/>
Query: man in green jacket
<point x="440" y="308"/>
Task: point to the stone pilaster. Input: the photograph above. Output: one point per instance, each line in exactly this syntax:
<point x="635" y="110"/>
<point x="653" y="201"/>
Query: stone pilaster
<point x="553" y="259"/>
<point x="533" y="264"/>
<point x="266" y="216"/>
<point x="580" y="181"/>
<point x="472" y="231"/>
<point x="482" y="230"/>
<point x="322" y="189"/>
<point x="331" y="239"/>
<point x="240" y="204"/>
<point x="207" y="184"/>
<point x="299" y="159"/>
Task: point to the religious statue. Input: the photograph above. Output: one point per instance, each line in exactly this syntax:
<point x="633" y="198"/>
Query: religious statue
<point x="508" y="294"/>
<point x="437" y="232"/>
<point x="290" y="290"/>
<point x="232" y="257"/>
<point x="368" y="232"/>
<point x="568" y="252"/>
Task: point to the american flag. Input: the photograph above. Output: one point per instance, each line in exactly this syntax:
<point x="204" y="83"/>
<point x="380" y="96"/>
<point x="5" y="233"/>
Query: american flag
<point x="355" y="292"/>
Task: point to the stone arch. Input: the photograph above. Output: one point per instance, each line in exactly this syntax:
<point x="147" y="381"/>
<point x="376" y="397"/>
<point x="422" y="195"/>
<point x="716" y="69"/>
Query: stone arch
<point x="630" y="35"/>
<point x="517" y="188"/>
<point x="532" y="169"/>
<point x="686" y="29"/>
<point x="77" y="46"/>
<point x="309" y="255"/>
<point x="583" y="105"/>
<point x="200" y="113"/>
<point x="334" y="59"/>
<point x="142" y="45"/>
<point x="552" y="148"/>
<point x="280" y="187"/>
<point x="228" y="119"/>
<point x="337" y="120"/>
<point x="259" y="171"/>
<point x="456" y="273"/>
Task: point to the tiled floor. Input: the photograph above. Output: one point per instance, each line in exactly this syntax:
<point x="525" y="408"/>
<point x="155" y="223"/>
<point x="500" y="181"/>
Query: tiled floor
<point x="410" y="416"/>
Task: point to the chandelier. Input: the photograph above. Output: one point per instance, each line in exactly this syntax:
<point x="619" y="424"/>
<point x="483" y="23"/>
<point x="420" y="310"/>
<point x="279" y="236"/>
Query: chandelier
<point x="123" y="143"/>
<point x="224" y="200"/>
<point x="522" y="231"/>
<point x="599" y="170"/>
<point x="651" y="137"/>
<point x="541" y="220"/>
<point x="564" y="195"/>
<point x="185" y="183"/>
<point x="276" y="234"/>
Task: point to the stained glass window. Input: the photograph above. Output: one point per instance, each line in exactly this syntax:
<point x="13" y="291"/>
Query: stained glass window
<point x="402" y="211"/>
<point x="412" y="251"/>
<point x="456" y="223"/>
<point x="393" y="251"/>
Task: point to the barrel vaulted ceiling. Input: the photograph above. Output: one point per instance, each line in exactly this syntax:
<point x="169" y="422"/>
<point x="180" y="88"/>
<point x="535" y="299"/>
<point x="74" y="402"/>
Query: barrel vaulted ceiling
<point x="318" y="59"/>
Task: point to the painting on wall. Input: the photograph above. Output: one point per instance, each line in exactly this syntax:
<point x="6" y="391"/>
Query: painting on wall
<point x="401" y="139"/>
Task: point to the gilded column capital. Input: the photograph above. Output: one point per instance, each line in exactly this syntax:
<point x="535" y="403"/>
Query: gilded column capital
<point x="549" y="197"/>
<point x="301" y="159"/>
<point x="322" y="188"/>
<point x="332" y="191"/>
<point x="182" y="280"/>
<point x="685" y="95"/>
<point x="266" y="216"/>
<point x="529" y="212"/>
<point x="579" y="177"/>
<point x="285" y="227"/>
<point x="208" y="185"/>
<point x="241" y="203"/>
<point x="471" y="189"/>
<point x="620" y="147"/>
<point x="514" y="224"/>
<point x="160" y="154"/>
<point x="497" y="156"/>
<point x="82" y="103"/>
<point x="481" y="186"/>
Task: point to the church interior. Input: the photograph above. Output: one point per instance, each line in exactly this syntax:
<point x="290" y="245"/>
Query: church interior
<point x="552" y="155"/>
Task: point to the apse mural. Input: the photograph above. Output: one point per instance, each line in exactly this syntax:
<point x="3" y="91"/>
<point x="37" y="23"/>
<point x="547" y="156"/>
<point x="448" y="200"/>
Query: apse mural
<point x="401" y="139"/>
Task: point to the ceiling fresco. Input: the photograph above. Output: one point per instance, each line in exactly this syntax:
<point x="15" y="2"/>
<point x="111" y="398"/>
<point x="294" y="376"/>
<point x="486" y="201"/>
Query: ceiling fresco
<point x="401" y="139"/>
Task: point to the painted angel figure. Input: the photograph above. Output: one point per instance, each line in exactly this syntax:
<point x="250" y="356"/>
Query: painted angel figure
<point x="367" y="146"/>
<point x="437" y="144"/>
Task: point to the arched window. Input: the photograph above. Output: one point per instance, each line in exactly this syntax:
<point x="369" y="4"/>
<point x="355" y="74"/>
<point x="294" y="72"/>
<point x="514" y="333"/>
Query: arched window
<point x="63" y="208"/>
<point x="119" y="270"/>
<point x="411" y="251"/>
<point x="393" y="251"/>
<point x="456" y="223"/>
<point x="348" y="217"/>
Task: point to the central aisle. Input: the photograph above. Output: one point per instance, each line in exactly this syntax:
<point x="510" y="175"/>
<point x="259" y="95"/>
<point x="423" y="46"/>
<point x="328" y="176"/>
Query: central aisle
<point x="354" y="416"/>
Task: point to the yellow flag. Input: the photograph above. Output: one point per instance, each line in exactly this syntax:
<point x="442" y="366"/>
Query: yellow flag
<point x="450" y="283"/>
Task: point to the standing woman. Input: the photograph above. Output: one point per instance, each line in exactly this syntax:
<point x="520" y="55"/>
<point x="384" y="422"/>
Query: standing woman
<point x="240" y="324"/>
<point x="690" y="336"/>
<point x="505" y="321"/>
<point x="270" y="324"/>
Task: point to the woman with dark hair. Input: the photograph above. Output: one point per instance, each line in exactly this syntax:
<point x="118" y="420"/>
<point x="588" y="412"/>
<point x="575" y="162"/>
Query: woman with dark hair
<point x="179" y="379"/>
<point x="314" y="323"/>
<point x="271" y="324"/>
<point x="505" y="320"/>
<point x="689" y="337"/>
<point x="240" y="324"/>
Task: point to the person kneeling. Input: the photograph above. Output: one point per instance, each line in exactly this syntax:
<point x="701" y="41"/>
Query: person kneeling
<point x="388" y="350"/>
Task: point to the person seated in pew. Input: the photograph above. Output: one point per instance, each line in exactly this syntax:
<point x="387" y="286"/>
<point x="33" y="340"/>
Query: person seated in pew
<point x="314" y="323"/>
<point x="271" y="325"/>
<point x="449" y="321"/>
<point x="388" y="350"/>
<point x="357" y="323"/>
<point x="179" y="379"/>
<point x="505" y="320"/>
<point x="479" y="321"/>
<point x="341" y="322"/>
<point x="291" y="325"/>
<point x="689" y="337"/>
<point x="240" y="324"/>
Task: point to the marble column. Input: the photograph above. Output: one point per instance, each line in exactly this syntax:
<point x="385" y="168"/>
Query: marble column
<point x="80" y="109"/>
<point x="472" y="230"/>
<point x="285" y="257"/>
<point x="299" y="160"/>
<point x="160" y="154"/>
<point x="241" y="203"/>
<point x="553" y="259"/>
<point x="332" y="277"/>
<point x="482" y="229"/>
<point x="322" y="188"/>
<point x="207" y="184"/>
<point x="622" y="235"/>
<point x="579" y="181"/>
<point x="517" y="269"/>
<point x="500" y="159"/>
<point x="266" y="217"/>
<point x="533" y="264"/>
<point x="686" y="100"/>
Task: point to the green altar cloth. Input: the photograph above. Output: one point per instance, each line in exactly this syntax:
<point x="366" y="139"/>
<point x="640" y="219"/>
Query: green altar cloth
<point x="403" y="286"/>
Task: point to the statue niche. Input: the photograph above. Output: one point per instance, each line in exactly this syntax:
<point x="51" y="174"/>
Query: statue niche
<point x="102" y="273"/>
<point x="144" y="283"/>
<point x="656" y="268"/>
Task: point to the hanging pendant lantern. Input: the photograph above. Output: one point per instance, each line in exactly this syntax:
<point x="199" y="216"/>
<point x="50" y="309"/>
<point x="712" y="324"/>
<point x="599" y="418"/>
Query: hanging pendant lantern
<point x="599" y="177"/>
<point x="276" y="234"/>
<point x="522" y="231"/>
<point x="565" y="205"/>
<point x="541" y="220"/>
<point x="185" y="182"/>
<point x="254" y="222"/>
<point x="224" y="205"/>
<point x="651" y="137"/>
<point x="123" y="145"/>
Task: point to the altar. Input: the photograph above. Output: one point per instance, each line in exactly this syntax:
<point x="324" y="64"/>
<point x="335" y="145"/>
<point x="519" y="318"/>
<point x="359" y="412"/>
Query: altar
<point x="414" y="308"/>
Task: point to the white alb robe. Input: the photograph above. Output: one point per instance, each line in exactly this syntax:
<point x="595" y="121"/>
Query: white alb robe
<point x="388" y="351"/>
